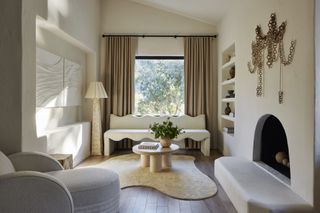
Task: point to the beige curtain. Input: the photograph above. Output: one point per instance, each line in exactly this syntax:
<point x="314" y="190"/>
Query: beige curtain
<point x="200" y="82"/>
<point x="119" y="79"/>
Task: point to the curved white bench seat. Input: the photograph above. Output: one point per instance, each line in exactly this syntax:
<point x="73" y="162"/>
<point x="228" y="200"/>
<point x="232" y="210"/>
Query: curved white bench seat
<point x="137" y="129"/>
<point x="252" y="189"/>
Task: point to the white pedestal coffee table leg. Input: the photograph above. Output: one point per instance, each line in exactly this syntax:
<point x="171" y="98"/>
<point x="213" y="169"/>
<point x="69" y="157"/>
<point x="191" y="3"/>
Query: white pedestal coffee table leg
<point x="155" y="163"/>
<point x="145" y="160"/>
<point x="166" y="160"/>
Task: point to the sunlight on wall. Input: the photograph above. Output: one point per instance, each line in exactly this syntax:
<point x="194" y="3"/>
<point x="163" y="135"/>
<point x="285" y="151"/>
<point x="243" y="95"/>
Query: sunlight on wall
<point x="58" y="9"/>
<point x="51" y="117"/>
<point x="45" y="118"/>
<point x="57" y="116"/>
<point x="39" y="34"/>
<point x="72" y="139"/>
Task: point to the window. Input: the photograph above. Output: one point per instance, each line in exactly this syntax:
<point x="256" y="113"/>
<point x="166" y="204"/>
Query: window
<point x="159" y="85"/>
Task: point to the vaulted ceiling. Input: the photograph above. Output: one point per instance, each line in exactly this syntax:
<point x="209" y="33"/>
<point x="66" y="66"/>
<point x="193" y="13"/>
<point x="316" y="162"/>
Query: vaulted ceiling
<point x="209" y="11"/>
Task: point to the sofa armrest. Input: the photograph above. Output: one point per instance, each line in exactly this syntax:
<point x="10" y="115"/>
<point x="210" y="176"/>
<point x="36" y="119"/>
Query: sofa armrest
<point x="31" y="191"/>
<point x="34" y="161"/>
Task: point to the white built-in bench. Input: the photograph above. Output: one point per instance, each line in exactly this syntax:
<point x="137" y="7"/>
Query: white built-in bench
<point x="70" y="139"/>
<point x="254" y="190"/>
<point x="137" y="129"/>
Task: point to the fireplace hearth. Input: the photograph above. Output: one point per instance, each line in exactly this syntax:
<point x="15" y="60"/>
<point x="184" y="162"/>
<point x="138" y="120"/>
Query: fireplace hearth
<point x="270" y="145"/>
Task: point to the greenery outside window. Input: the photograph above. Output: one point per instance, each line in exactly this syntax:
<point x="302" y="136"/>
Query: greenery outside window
<point x="159" y="85"/>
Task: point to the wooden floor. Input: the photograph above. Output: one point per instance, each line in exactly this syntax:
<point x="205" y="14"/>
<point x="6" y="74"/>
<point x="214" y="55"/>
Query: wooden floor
<point x="147" y="200"/>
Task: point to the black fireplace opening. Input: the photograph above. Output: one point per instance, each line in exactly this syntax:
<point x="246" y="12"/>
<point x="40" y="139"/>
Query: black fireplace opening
<point x="271" y="145"/>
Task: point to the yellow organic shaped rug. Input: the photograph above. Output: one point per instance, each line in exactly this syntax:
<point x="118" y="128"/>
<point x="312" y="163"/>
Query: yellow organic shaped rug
<point x="183" y="181"/>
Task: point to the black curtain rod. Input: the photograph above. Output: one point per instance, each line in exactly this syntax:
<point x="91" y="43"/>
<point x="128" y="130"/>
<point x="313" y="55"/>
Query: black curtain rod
<point x="160" y="36"/>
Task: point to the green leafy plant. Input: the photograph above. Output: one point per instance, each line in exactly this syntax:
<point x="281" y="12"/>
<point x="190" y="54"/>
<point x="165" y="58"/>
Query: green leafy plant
<point x="165" y="130"/>
<point x="159" y="87"/>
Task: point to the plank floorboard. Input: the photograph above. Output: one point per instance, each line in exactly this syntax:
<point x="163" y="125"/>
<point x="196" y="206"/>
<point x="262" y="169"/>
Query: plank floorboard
<point x="150" y="208"/>
<point x="152" y="197"/>
<point x="162" y="209"/>
<point x="185" y="206"/>
<point x="173" y="205"/>
<point x="162" y="200"/>
<point x="199" y="207"/>
<point x="141" y="200"/>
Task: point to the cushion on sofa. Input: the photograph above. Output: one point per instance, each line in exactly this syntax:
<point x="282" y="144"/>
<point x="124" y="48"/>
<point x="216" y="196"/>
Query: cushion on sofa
<point x="5" y="165"/>
<point x="91" y="188"/>
<point x="139" y="134"/>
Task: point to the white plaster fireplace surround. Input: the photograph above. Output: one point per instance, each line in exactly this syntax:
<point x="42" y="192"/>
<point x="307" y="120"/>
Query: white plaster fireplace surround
<point x="269" y="134"/>
<point x="262" y="185"/>
<point x="297" y="113"/>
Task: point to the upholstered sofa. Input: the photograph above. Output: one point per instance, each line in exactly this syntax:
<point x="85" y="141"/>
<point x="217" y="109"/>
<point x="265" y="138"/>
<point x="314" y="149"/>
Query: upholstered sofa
<point x="137" y="129"/>
<point x="35" y="182"/>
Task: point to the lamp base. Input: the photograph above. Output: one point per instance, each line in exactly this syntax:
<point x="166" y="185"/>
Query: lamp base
<point x="96" y="143"/>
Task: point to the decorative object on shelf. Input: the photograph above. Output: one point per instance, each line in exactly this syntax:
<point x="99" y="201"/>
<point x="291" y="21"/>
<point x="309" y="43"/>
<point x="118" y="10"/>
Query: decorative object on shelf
<point x="228" y="129"/>
<point x="165" y="131"/>
<point x="273" y="43"/>
<point x="230" y="94"/>
<point x="227" y="110"/>
<point x="228" y="102"/>
<point x="228" y="58"/>
<point x="96" y="91"/>
<point x="232" y="72"/>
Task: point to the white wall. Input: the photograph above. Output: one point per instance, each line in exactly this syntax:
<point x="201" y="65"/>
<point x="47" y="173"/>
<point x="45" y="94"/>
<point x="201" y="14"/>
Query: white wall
<point x="10" y="71"/>
<point x="61" y="125"/>
<point x="49" y="118"/>
<point x="160" y="46"/>
<point x="78" y="18"/>
<point x="297" y="111"/>
<point x="317" y="109"/>
<point x="70" y="139"/>
<point x="127" y="17"/>
<point x="29" y="140"/>
<point x="71" y="18"/>
<point x="121" y="16"/>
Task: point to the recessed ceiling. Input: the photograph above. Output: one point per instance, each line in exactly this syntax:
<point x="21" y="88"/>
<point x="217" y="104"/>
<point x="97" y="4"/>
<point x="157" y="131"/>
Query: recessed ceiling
<point x="209" y="11"/>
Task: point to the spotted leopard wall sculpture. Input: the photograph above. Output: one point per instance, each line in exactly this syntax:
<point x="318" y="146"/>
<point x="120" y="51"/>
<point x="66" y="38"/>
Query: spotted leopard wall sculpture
<point x="272" y="44"/>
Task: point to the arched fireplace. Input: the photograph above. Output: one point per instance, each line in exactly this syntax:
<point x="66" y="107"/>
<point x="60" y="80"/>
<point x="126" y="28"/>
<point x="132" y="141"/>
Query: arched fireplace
<point x="270" y="144"/>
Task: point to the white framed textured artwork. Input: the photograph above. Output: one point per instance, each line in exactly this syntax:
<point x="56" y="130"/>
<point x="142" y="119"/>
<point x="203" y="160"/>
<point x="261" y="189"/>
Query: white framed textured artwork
<point x="72" y="83"/>
<point x="58" y="81"/>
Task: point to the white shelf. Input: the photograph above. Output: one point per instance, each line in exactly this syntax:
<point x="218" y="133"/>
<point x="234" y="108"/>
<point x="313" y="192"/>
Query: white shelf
<point x="229" y="64"/>
<point x="229" y="134"/>
<point x="229" y="59"/>
<point x="228" y="100"/>
<point x="230" y="81"/>
<point x="229" y="118"/>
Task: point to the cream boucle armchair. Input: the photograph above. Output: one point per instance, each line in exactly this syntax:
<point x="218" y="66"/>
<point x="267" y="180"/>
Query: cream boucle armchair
<point x="36" y="182"/>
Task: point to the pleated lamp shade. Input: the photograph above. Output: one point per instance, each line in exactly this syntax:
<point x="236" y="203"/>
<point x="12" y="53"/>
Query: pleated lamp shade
<point x="96" y="90"/>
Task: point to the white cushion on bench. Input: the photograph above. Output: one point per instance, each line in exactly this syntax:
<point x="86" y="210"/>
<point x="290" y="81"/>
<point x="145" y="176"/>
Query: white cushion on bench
<point x="252" y="189"/>
<point x="140" y="134"/>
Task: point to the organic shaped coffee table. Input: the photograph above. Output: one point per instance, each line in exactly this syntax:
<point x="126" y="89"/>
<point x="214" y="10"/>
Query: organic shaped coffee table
<point x="157" y="159"/>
